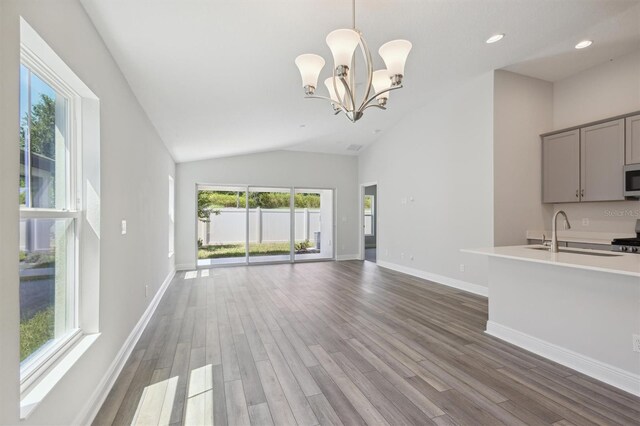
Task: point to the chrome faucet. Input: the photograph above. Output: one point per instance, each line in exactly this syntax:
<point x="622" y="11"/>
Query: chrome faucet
<point x="554" y="233"/>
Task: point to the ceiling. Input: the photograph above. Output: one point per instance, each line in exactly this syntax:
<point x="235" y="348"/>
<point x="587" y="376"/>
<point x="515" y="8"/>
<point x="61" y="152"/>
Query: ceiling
<point x="218" y="78"/>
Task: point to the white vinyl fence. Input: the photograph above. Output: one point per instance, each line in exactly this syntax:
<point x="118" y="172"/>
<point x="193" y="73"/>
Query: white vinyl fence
<point x="271" y="225"/>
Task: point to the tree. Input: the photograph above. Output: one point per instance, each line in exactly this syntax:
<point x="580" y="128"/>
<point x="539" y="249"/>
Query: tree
<point x="42" y="129"/>
<point x="206" y="206"/>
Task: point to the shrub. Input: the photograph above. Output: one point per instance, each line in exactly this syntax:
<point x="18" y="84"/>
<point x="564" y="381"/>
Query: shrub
<point x="302" y="246"/>
<point x="35" y="332"/>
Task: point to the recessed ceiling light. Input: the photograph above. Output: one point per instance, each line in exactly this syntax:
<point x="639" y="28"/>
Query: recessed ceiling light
<point x="583" y="44"/>
<point x="494" y="38"/>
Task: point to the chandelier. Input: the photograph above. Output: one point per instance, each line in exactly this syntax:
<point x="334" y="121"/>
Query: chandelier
<point x="342" y="84"/>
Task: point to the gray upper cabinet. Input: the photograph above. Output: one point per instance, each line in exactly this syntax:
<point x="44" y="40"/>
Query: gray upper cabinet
<point x="561" y="167"/>
<point x="633" y="139"/>
<point x="602" y="160"/>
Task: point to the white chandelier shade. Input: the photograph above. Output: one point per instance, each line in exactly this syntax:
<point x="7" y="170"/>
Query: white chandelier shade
<point x="343" y="43"/>
<point x="381" y="81"/>
<point x="341" y="85"/>
<point x="394" y="54"/>
<point x="332" y="93"/>
<point x="310" y="66"/>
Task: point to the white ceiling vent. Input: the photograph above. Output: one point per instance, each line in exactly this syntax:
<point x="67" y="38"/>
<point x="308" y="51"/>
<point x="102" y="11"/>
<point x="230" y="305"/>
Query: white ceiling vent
<point x="354" y="147"/>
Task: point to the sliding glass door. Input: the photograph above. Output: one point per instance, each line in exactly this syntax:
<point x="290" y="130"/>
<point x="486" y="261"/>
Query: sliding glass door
<point x="250" y="225"/>
<point x="222" y="229"/>
<point x="269" y="225"/>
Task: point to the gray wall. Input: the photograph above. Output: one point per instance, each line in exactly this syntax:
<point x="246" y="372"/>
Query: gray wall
<point x="434" y="172"/>
<point x="523" y="109"/>
<point x="277" y="168"/>
<point x="134" y="186"/>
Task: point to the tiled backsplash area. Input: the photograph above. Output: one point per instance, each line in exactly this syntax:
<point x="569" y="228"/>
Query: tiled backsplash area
<point x="614" y="217"/>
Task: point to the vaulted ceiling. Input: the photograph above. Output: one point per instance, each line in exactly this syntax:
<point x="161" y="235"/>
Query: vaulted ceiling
<point x="217" y="77"/>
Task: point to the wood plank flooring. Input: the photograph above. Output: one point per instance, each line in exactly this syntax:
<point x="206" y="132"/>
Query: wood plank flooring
<point x="341" y="343"/>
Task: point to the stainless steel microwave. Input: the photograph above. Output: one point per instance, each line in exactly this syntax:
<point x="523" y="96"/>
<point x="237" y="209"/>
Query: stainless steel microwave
<point x="632" y="180"/>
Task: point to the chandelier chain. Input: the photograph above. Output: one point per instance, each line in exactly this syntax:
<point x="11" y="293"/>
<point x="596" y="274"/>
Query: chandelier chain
<point x="353" y="13"/>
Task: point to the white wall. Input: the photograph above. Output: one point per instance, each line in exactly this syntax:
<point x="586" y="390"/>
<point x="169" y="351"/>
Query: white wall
<point x="441" y="156"/>
<point x="134" y="169"/>
<point x="606" y="90"/>
<point x="603" y="91"/>
<point x="279" y="168"/>
<point x="523" y="109"/>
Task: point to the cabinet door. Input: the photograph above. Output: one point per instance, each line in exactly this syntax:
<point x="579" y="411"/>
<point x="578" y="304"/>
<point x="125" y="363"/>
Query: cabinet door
<point x="561" y="167"/>
<point x="602" y="161"/>
<point x="633" y="139"/>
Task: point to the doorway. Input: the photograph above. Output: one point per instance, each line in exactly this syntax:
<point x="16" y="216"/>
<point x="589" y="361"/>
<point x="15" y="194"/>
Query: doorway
<point x="370" y="222"/>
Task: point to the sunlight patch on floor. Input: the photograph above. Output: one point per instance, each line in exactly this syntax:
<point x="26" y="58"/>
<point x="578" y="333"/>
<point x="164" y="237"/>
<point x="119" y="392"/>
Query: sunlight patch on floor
<point x="200" y="397"/>
<point x="156" y="403"/>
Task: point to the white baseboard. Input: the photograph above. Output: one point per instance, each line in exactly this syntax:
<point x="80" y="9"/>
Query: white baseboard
<point x="348" y="257"/>
<point x="91" y="408"/>
<point x="604" y="372"/>
<point x="440" y="279"/>
<point x="185" y="267"/>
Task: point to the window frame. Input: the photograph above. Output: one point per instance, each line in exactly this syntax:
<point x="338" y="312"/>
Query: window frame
<point x="372" y="215"/>
<point x="38" y="363"/>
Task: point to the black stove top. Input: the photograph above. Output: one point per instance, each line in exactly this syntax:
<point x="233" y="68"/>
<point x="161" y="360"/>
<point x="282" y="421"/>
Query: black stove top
<point x="630" y="242"/>
<point x="626" y="242"/>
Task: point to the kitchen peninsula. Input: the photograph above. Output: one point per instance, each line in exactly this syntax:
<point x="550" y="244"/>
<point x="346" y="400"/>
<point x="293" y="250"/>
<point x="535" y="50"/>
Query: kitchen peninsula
<point x="559" y="304"/>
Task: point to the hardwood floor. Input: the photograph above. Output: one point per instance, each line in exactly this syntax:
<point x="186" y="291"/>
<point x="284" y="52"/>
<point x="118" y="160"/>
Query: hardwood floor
<point x="341" y="343"/>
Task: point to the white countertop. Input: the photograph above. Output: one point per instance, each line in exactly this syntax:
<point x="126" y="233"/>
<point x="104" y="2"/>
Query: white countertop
<point x="623" y="264"/>
<point x="580" y="236"/>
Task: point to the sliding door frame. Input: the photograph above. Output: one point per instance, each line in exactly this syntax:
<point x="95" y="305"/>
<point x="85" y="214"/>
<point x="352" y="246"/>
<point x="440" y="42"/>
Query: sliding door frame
<point x="334" y="224"/>
<point x="292" y="224"/>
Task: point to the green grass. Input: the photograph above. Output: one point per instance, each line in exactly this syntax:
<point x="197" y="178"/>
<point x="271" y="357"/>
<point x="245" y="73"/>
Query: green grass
<point x="35" y="332"/>
<point x="237" y="250"/>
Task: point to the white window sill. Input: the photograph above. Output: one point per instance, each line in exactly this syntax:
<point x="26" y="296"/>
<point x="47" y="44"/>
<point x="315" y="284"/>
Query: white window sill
<point x="30" y="400"/>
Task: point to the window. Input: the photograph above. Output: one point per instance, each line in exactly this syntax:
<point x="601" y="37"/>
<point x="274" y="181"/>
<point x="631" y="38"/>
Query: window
<point x="49" y="213"/>
<point x="369" y="215"/>
<point x="172" y="219"/>
<point x="59" y="226"/>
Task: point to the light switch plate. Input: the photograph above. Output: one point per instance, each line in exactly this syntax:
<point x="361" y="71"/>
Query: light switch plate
<point x="123" y="227"/>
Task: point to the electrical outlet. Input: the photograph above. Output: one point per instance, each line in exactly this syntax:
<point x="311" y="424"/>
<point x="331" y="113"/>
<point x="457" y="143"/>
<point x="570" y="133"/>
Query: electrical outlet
<point x="462" y="267"/>
<point x="636" y="342"/>
<point x="401" y="255"/>
<point x="123" y="227"/>
<point x="585" y="221"/>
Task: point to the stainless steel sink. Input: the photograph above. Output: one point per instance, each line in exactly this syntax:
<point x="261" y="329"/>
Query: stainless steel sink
<point x="577" y="252"/>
